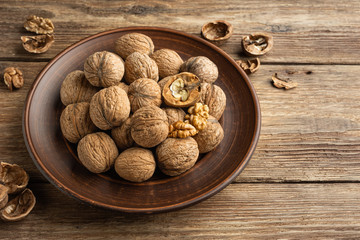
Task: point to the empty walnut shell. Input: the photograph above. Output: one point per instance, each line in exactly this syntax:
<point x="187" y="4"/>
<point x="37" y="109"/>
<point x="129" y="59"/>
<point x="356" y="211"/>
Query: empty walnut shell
<point x="168" y="62"/>
<point x="149" y="126"/>
<point x="210" y="137"/>
<point x="75" y="122"/>
<point x="3" y="196"/>
<point x="214" y="97"/>
<point x="217" y="31"/>
<point x="13" y="176"/>
<point x="122" y="135"/>
<point x="144" y="92"/>
<point x="139" y="65"/>
<point x="37" y="44"/>
<point x="133" y="42"/>
<point x="109" y="108"/>
<point x="257" y="44"/>
<point x="174" y="114"/>
<point x="181" y="96"/>
<point x="76" y="88"/>
<point x="19" y="207"/>
<point x="104" y="69"/>
<point x="202" y="67"/>
<point x="177" y="155"/>
<point x="135" y="164"/>
<point x="97" y="152"/>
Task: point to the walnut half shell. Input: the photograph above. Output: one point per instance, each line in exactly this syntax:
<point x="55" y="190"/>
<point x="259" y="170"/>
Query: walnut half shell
<point x="37" y="44"/>
<point x="217" y="31"/>
<point x="13" y="176"/>
<point x="257" y="44"/>
<point x="3" y="196"/>
<point x="19" y="207"/>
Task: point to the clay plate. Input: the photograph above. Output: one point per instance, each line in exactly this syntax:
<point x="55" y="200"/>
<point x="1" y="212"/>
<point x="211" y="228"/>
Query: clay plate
<point x="56" y="158"/>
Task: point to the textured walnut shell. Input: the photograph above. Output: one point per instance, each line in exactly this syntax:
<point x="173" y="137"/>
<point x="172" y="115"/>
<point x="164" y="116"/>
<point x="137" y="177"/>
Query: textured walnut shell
<point x="75" y="122"/>
<point x="253" y="47"/>
<point x="124" y="87"/>
<point x="217" y="31"/>
<point x="97" y="152"/>
<point x="104" y="69"/>
<point x="177" y="155"/>
<point x="174" y="114"/>
<point x="214" y="97"/>
<point x="109" y="108"/>
<point x="192" y="84"/>
<point x="19" y="207"/>
<point x="144" y="92"/>
<point x="13" y="177"/>
<point x="135" y="164"/>
<point x="163" y="81"/>
<point x="76" y="88"/>
<point x="3" y="196"/>
<point x="168" y="62"/>
<point x="202" y="67"/>
<point x="133" y="42"/>
<point x="139" y="65"/>
<point x="149" y="126"/>
<point x="210" y="137"/>
<point x="37" y="44"/>
<point x="122" y="135"/>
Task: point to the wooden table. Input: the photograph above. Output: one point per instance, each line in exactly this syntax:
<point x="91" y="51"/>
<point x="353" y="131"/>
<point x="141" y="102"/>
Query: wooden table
<point x="303" y="180"/>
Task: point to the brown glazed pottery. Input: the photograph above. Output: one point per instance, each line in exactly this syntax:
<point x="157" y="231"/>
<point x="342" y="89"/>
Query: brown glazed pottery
<point x="56" y="158"/>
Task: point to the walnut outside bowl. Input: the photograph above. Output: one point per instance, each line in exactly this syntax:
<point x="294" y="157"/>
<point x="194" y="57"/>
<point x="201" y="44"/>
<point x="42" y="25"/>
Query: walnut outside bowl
<point x="57" y="160"/>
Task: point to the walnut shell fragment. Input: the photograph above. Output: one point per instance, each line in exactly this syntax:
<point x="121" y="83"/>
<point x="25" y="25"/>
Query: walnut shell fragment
<point x="13" y="78"/>
<point x="214" y="97"/>
<point x="14" y="177"/>
<point x="37" y="44"/>
<point x="104" y="69"/>
<point x="135" y="164"/>
<point x="133" y="42"/>
<point x="181" y="90"/>
<point x="257" y="44"/>
<point x="217" y="31"/>
<point x="3" y="196"/>
<point x="19" y="207"/>
<point x="177" y="155"/>
<point x="209" y="138"/>
<point x="39" y="25"/>
<point x="75" y="122"/>
<point x="97" y="152"/>
<point x="283" y="83"/>
<point x="202" y="67"/>
<point x="122" y="135"/>
<point x="168" y="62"/>
<point x="149" y="126"/>
<point x="249" y="66"/>
<point x="139" y="65"/>
<point x="174" y="114"/>
<point x="76" y="88"/>
<point x="109" y="108"/>
<point x="144" y="92"/>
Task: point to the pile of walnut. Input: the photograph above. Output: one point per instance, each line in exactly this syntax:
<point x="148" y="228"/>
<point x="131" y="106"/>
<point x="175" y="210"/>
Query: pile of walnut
<point x="121" y="115"/>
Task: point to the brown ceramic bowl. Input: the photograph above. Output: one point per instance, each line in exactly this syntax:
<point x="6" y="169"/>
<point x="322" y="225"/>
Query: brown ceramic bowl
<point x="56" y="158"/>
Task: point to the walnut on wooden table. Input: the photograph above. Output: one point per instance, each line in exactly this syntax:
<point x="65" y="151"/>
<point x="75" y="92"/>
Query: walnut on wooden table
<point x="19" y="207"/>
<point x="13" y="177"/>
<point x="37" y="44"/>
<point x="39" y="25"/>
<point x="4" y="197"/>
<point x="13" y="78"/>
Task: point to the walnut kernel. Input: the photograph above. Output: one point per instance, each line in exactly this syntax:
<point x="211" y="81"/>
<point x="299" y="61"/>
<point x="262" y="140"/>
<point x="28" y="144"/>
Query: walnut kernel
<point x="39" y="25"/>
<point x="37" y="44"/>
<point x="19" y="207"/>
<point x="13" y="78"/>
<point x="181" y="129"/>
<point x="144" y="92"/>
<point x="139" y="65"/>
<point x="249" y="66"/>
<point x="198" y="114"/>
<point x="133" y="42"/>
<point x="214" y="97"/>
<point x="202" y="67"/>
<point x="14" y="177"/>
<point x="210" y="137"/>
<point x="168" y="62"/>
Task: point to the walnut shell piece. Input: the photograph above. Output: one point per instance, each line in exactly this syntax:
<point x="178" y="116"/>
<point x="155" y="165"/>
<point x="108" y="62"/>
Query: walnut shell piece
<point x="250" y="65"/>
<point x="210" y="137"/>
<point x="104" y="69"/>
<point x="177" y="155"/>
<point x="3" y="196"/>
<point x="181" y="90"/>
<point x="122" y="135"/>
<point x="149" y="126"/>
<point x="97" y="152"/>
<point x="139" y="65"/>
<point x="174" y="114"/>
<point x="202" y="67"/>
<point x="144" y="92"/>
<point x="109" y="108"/>
<point x="283" y="83"/>
<point x="168" y="62"/>
<point x="135" y="164"/>
<point x="75" y="122"/>
<point x="37" y="44"/>
<point x="133" y="42"/>
<point x="214" y="97"/>
<point x="13" y="78"/>
<point x="39" y="25"/>
<point x="257" y="44"/>
<point x="217" y="31"/>
<point x="13" y="177"/>
<point x="19" y="207"/>
<point x="76" y="88"/>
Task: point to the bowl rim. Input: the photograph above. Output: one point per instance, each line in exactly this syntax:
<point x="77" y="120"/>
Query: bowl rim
<point x="38" y="163"/>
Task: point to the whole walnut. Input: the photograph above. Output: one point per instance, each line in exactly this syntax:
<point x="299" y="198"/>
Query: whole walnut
<point x="97" y="152"/>
<point x="149" y="126"/>
<point x="122" y="135"/>
<point x="177" y="155"/>
<point x="214" y="97"/>
<point x="168" y="62"/>
<point x="139" y="65"/>
<point x="174" y="114"/>
<point x="210" y="137"/>
<point x="124" y="87"/>
<point x="202" y="67"/>
<point x="109" y="108"/>
<point x="76" y="88"/>
<point x="144" y="92"/>
<point x="135" y="164"/>
<point x="75" y="121"/>
<point x="104" y="69"/>
<point x="133" y="42"/>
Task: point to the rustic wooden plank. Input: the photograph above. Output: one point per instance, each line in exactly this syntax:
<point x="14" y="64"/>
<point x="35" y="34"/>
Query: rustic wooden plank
<point x="310" y="32"/>
<point x="241" y="211"/>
